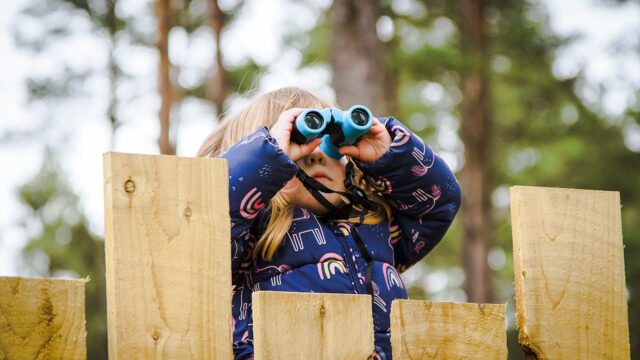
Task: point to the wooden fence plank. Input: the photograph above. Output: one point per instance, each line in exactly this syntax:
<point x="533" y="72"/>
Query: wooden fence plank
<point x="569" y="271"/>
<point x="442" y="330"/>
<point x="290" y="325"/>
<point x="42" y="319"/>
<point x="168" y="266"/>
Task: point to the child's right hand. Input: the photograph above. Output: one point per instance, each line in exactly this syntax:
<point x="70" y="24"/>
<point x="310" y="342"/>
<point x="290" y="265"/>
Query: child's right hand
<point x="281" y="131"/>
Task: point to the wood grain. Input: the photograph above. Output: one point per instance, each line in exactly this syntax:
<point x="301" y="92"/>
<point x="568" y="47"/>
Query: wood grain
<point x="442" y="330"/>
<point x="42" y="319"/>
<point x="569" y="272"/>
<point x="290" y="325"/>
<point x="168" y="260"/>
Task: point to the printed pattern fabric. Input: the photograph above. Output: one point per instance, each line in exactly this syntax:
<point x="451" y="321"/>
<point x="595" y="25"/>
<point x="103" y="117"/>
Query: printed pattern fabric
<point x="320" y="255"/>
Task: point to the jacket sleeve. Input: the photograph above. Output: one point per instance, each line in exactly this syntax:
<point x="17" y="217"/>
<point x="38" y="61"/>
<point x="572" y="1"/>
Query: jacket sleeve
<point x="258" y="169"/>
<point x="420" y="188"/>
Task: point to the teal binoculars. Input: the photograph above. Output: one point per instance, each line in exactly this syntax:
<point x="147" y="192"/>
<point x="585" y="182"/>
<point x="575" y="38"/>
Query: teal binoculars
<point x="335" y="127"/>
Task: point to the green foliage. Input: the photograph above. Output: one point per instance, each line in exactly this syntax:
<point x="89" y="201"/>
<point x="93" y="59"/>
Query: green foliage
<point x="546" y="136"/>
<point x="318" y="49"/>
<point x="543" y="134"/>
<point x="64" y="237"/>
<point x="98" y="18"/>
<point x="243" y="79"/>
<point x="187" y="19"/>
<point x="65" y="85"/>
<point x="102" y="17"/>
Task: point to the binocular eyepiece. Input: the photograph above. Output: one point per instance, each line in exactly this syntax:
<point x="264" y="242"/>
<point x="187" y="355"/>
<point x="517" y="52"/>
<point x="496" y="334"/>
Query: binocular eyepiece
<point x="335" y="127"/>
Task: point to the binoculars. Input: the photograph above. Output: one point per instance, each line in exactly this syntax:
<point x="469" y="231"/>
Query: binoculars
<point x="335" y="127"/>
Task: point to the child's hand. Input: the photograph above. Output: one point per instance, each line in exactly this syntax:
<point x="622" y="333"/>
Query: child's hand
<point x="371" y="146"/>
<point x="281" y="131"/>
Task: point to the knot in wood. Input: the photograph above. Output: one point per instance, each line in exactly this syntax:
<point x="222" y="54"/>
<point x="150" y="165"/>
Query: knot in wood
<point x="322" y="311"/>
<point x="129" y="186"/>
<point x="187" y="212"/>
<point x="481" y="306"/>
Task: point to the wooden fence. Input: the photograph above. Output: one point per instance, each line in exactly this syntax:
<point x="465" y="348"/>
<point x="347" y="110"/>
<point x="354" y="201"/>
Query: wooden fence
<point x="169" y="285"/>
<point x="42" y="319"/>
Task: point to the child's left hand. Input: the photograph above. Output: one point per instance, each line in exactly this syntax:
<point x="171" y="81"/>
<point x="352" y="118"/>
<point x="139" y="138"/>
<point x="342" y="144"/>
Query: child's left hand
<point x="371" y="146"/>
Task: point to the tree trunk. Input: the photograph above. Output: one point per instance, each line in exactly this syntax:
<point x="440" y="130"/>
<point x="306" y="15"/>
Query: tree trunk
<point x="114" y="71"/>
<point x="163" y="13"/>
<point x="476" y="180"/>
<point x="218" y="90"/>
<point x="114" y="77"/>
<point x="357" y="58"/>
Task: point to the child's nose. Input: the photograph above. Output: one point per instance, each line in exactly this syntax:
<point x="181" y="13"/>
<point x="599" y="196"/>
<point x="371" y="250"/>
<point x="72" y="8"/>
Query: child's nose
<point x="317" y="157"/>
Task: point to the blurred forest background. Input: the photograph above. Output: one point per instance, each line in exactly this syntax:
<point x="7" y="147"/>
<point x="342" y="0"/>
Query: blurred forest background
<point x="477" y="79"/>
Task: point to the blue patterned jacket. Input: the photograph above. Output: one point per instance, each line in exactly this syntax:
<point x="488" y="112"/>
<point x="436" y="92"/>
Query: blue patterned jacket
<point x="320" y="255"/>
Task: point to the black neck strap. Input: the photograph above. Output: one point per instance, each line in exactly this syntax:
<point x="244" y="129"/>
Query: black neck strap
<point x="354" y="194"/>
<point x="358" y="196"/>
<point x="314" y="187"/>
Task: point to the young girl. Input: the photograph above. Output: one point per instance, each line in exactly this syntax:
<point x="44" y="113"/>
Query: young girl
<point x="284" y="239"/>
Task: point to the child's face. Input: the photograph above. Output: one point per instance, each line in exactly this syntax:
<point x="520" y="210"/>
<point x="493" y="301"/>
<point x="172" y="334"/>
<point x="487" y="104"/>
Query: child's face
<point x="326" y="170"/>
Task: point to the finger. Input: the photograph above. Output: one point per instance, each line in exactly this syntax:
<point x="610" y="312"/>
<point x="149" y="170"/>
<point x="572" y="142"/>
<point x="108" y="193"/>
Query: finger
<point x="296" y="111"/>
<point x="377" y="127"/>
<point x="310" y="146"/>
<point x="349" y="150"/>
<point x="305" y="149"/>
<point x="289" y="116"/>
<point x="379" y="131"/>
<point x="286" y="119"/>
<point x="281" y="130"/>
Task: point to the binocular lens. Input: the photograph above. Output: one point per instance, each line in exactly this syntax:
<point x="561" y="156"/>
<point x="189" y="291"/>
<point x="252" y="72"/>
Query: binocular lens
<point x="313" y="120"/>
<point x="359" y="117"/>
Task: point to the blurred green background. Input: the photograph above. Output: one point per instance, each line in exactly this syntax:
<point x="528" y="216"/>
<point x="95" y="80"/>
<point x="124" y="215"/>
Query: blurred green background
<point x="508" y="92"/>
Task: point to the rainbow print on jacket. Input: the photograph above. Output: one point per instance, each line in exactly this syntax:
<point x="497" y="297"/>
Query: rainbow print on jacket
<point x="391" y="276"/>
<point x="329" y="264"/>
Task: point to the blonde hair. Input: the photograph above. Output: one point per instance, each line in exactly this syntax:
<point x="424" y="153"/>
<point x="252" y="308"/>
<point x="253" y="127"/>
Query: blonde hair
<point x="264" y="112"/>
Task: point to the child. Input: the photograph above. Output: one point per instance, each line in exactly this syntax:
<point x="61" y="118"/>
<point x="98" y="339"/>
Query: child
<point x="284" y="239"/>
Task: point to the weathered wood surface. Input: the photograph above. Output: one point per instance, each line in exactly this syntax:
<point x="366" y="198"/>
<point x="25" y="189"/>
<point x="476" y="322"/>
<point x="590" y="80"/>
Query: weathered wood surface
<point x="167" y="233"/>
<point x="312" y="326"/>
<point x="42" y="319"/>
<point x="569" y="272"/>
<point x="442" y="330"/>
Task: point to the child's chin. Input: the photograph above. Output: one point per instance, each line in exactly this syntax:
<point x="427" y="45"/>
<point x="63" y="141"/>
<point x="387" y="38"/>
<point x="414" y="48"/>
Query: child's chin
<point x="318" y="209"/>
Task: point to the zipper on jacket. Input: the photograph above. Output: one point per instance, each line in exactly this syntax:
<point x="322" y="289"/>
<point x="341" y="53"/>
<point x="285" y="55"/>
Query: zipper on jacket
<point x="351" y="266"/>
